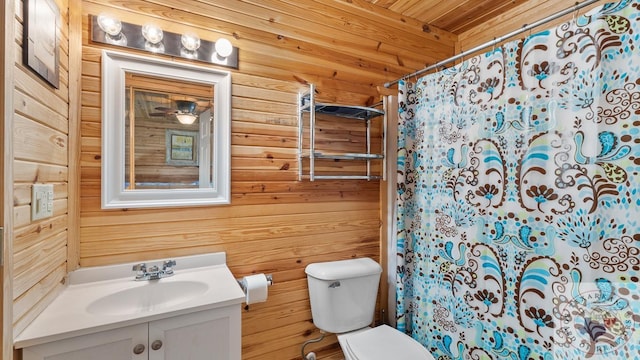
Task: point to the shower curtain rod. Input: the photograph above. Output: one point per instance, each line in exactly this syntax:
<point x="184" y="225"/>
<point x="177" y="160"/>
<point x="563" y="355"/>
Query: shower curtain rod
<point x="495" y="41"/>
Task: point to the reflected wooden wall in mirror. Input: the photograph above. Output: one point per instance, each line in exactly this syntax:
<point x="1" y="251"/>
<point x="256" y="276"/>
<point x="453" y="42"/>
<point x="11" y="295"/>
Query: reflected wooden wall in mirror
<point x="166" y="133"/>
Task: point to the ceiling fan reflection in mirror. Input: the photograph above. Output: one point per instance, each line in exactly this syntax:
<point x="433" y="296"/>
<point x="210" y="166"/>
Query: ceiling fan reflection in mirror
<point x="186" y="111"/>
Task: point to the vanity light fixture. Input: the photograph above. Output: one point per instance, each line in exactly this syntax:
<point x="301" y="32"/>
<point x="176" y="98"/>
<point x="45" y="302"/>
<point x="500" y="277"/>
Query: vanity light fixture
<point x="150" y="37"/>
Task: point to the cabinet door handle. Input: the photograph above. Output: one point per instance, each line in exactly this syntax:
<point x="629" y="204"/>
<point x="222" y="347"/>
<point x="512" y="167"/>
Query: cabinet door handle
<point x="138" y="349"/>
<point x="156" y="345"/>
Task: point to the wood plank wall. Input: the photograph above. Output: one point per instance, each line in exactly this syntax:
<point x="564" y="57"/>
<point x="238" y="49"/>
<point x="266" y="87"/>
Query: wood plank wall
<point x="275" y="224"/>
<point x="40" y="147"/>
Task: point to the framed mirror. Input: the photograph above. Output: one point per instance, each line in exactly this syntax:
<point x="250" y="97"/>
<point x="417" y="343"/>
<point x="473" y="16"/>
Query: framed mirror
<point x="165" y="133"/>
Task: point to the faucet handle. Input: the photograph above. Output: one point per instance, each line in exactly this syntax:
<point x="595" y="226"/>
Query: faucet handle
<point x="167" y="266"/>
<point x="140" y="270"/>
<point x="142" y="267"/>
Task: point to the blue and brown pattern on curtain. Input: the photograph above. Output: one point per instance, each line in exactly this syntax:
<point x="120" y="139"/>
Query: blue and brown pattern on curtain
<point x="519" y="197"/>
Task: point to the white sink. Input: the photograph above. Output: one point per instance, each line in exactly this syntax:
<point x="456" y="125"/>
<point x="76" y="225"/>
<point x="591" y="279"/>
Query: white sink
<point x="150" y="295"/>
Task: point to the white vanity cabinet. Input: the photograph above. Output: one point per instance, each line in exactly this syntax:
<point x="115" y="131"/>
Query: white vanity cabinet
<point x="204" y="335"/>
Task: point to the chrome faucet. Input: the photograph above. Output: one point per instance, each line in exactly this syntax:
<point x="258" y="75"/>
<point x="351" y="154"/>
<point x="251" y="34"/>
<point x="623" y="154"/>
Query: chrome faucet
<point x="153" y="272"/>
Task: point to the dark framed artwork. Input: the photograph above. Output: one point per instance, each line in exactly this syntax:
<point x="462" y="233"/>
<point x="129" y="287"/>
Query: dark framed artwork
<point x="182" y="147"/>
<point x="41" y="50"/>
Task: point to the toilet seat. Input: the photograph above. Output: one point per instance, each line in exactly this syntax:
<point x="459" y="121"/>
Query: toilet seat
<point x="381" y="343"/>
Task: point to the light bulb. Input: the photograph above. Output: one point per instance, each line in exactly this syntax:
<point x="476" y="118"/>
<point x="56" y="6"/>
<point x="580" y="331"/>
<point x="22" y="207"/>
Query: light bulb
<point x="152" y="33"/>
<point x="223" y="47"/>
<point x="190" y="41"/>
<point x="186" y="119"/>
<point x="109" y="24"/>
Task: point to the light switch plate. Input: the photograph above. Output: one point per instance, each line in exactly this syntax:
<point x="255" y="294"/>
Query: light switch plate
<point x="41" y="201"/>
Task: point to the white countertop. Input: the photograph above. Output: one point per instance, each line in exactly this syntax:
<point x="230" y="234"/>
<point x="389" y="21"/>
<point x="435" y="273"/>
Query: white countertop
<point x="74" y="311"/>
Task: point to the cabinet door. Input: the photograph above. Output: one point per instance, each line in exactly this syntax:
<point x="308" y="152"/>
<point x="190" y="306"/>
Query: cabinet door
<point x="206" y="335"/>
<point x="115" y="344"/>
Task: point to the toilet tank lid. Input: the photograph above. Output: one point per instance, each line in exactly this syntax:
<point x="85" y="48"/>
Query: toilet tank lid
<point x="343" y="269"/>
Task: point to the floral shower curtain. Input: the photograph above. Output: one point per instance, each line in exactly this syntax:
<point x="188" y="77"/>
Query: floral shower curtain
<point x="519" y="197"/>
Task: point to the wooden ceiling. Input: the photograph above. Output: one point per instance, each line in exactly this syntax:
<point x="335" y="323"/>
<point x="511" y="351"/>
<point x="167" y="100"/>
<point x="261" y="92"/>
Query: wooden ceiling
<point x="453" y="16"/>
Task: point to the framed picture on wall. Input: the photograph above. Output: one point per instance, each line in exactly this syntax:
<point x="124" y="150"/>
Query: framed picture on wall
<point x="182" y="147"/>
<point x="41" y="50"/>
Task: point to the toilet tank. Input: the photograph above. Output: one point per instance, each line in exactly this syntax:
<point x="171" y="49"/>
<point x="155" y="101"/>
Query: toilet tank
<point x="343" y="293"/>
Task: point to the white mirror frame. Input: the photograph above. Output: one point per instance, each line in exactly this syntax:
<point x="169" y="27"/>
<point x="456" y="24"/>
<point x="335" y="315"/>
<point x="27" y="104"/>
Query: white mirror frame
<point x="114" y="194"/>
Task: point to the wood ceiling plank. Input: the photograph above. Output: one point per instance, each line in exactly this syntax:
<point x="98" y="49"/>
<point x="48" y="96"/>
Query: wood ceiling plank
<point x="398" y="20"/>
<point x="468" y="12"/>
<point x="404" y="5"/>
<point x="487" y="15"/>
<point x="433" y="11"/>
<point x="383" y="3"/>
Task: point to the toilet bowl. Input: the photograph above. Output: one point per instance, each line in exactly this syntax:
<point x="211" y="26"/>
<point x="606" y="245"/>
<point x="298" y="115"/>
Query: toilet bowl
<point x="343" y="299"/>
<point x="381" y="343"/>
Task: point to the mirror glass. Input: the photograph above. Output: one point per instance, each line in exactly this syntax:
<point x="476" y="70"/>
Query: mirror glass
<point x="168" y="126"/>
<point x="165" y="133"/>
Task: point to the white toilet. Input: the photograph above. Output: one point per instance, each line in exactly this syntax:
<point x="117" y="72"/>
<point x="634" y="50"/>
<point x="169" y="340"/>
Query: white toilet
<point x="343" y="299"/>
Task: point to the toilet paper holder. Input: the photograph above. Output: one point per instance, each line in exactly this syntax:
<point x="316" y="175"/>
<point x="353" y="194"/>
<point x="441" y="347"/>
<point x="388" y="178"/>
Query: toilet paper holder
<point x="269" y="282"/>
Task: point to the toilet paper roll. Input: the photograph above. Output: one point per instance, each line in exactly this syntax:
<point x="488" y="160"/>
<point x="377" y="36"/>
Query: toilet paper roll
<point x="255" y="288"/>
